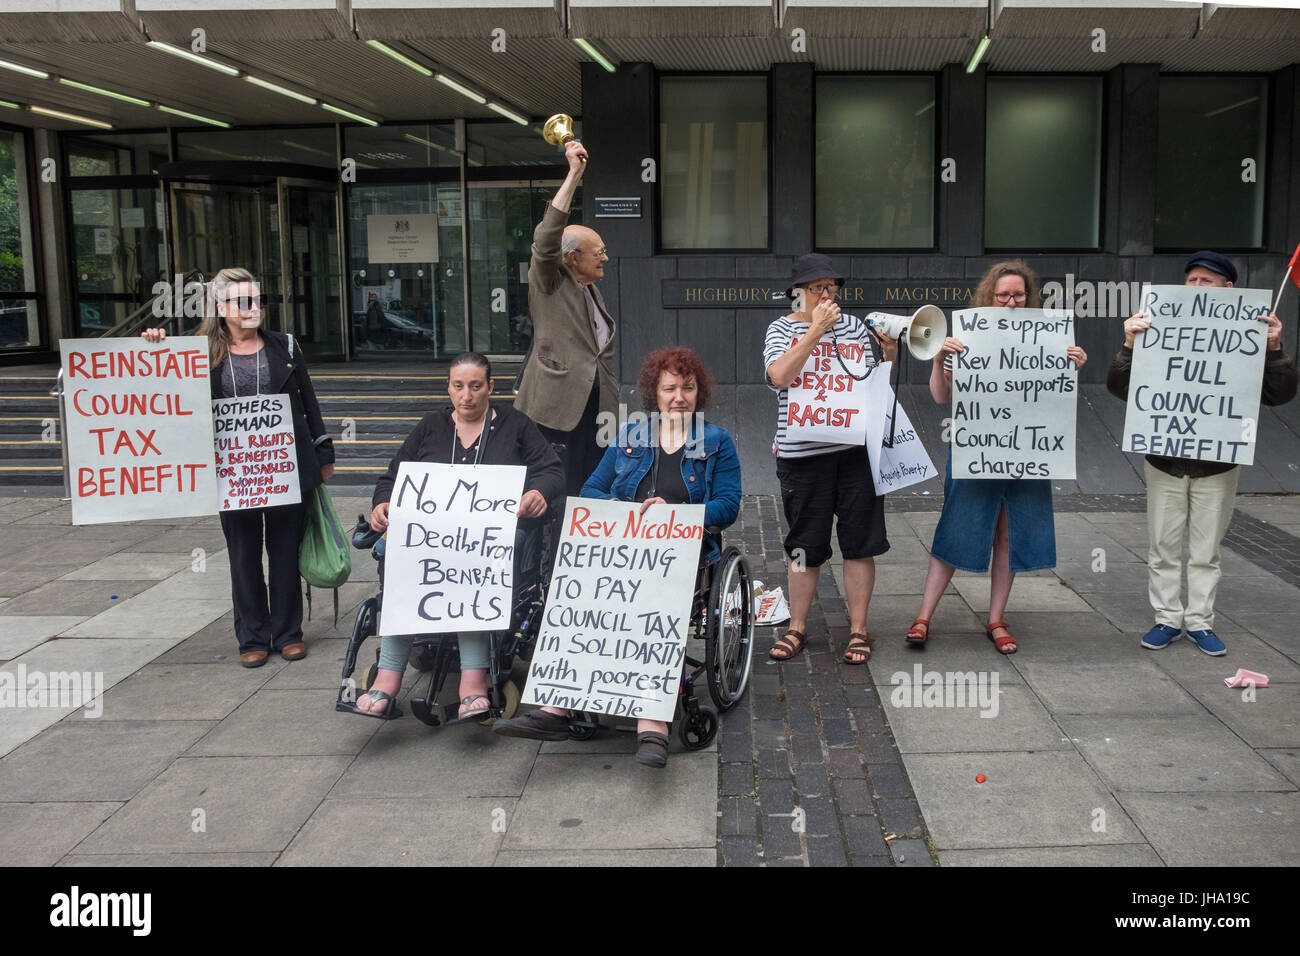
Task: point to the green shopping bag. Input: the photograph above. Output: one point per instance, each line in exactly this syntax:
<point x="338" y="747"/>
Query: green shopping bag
<point x="324" y="560"/>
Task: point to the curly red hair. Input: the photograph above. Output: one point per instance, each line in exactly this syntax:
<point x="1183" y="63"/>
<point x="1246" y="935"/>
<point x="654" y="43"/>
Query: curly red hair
<point x="680" y="361"/>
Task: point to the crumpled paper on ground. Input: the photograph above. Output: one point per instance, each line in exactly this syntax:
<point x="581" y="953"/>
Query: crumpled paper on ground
<point x="1244" y="678"/>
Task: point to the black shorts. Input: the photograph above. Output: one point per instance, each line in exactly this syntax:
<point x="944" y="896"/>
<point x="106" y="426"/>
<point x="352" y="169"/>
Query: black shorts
<point x="821" y="487"/>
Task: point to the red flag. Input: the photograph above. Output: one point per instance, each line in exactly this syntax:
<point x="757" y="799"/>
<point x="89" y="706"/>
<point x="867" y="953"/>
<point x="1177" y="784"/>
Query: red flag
<point x="1292" y="267"/>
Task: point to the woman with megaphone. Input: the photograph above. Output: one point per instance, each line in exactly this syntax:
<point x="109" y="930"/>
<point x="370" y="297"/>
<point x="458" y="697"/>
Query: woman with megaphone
<point x="1004" y="526"/>
<point x="823" y="481"/>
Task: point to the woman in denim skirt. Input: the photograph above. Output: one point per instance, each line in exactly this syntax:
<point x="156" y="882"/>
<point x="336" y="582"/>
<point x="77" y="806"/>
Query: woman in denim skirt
<point x="1002" y="525"/>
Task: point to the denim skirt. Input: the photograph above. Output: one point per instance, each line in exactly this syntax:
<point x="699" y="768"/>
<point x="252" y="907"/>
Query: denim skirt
<point x="964" y="536"/>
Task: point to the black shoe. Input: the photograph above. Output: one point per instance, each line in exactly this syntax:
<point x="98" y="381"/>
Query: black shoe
<point x="652" y="749"/>
<point x="534" y="725"/>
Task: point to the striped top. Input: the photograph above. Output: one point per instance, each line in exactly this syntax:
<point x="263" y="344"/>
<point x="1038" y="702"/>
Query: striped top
<point x="780" y="336"/>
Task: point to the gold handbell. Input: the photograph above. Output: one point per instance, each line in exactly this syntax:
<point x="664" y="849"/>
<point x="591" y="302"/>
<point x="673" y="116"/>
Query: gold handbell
<point x="558" y="130"/>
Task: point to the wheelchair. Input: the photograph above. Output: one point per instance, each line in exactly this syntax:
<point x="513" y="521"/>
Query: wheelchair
<point x="722" y="618"/>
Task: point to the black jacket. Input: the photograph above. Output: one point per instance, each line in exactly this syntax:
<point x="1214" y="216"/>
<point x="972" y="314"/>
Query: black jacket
<point x="513" y="439"/>
<point x="289" y="377"/>
<point x="1278" y="388"/>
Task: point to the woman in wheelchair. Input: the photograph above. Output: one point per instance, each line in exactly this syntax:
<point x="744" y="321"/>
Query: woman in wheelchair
<point x="469" y="431"/>
<point x="672" y="457"/>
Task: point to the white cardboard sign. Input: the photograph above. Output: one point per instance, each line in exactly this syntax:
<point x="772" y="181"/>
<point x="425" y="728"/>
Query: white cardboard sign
<point x="1014" y="394"/>
<point x="1194" y="389"/>
<point x="613" y="637"/>
<point x="257" y="463"/>
<point x="139" y="429"/>
<point x="828" y="401"/>
<point x="449" y="559"/>
<point x="907" y="462"/>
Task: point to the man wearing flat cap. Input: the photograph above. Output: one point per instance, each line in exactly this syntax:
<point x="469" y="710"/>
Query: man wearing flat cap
<point x="1189" y="499"/>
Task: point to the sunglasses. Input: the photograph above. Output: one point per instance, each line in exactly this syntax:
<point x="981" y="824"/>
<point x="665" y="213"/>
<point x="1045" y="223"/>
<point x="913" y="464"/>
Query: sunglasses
<point x="246" y="303"/>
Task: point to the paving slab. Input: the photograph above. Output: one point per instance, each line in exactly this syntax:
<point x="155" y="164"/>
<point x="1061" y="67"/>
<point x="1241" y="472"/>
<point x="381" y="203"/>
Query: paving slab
<point x="396" y="831"/>
<point x="1030" y="593"/>
<point x="1275" y="628"/>
<point x="1219" y="829"/>
<point x="181" y="692"/>
<point x="94" y="759"/>
<point x="20" y="633"/>
<point x="1170" y="754"/>
<point x="1249" y="595"/>
<point x="245" y="804"/>
<point x="598" y="802"/>
<point x="609" y="858"/>
<point x="287" y="722"/>
<point x="1187" y="664"/>
<point x="1019" y="722"/>
<point x="1120" y="687"/>
<point x="1272" y="719"/>
<point x="946" y="650"/>
<point x="181" y="541"/>
<point x="73" y="597"/>
<point x="143" y="566"/>
<point x="1082" y="579"/>
<point x="1288" y="761"/>
<point x="212" y="643"/>
<point x="1131" y="854"/>
<point x="1027" y="800"/>
<point x="167" y="860"/>
<point x="613" y="741"/>
<point x="321" y="669"/>
<point x="144" y="617"/>
<point x="38" y="834"/>
<point x="407" y="759"/>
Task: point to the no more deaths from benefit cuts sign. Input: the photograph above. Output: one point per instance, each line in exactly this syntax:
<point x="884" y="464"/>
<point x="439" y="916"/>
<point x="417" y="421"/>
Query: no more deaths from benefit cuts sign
<point x="139" y="429"/>
<point x="613" y="635"/>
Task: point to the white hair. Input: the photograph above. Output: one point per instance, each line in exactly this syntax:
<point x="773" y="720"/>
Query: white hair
<point x="569" y="244"/>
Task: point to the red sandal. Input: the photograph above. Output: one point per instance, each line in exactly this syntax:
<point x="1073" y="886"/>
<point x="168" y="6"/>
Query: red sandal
<point x="919" y="632"/>
<point x="1002" y="643"/>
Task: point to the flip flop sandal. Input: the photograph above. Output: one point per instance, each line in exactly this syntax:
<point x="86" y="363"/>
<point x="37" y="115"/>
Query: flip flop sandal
<point x="652" y="749"/>
<point x="787" y="646"/>
<point x="470" y="716"/>
<point x="390" y="712"/>
<point x="859" y="649"/>
<point x="1001" y="642"/>
<point x="919" y="632"/>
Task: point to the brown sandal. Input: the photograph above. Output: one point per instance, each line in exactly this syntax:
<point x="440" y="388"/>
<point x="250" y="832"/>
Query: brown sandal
<point x="859" y="649"/>
<point x="1002" y="643"/>
<point x="919" y="632"/>
<point x="788" y="648"/>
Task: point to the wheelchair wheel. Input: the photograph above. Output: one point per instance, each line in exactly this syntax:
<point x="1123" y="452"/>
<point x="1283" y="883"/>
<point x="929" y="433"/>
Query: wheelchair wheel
<point x="729" y="631"/>
<point x="698" y="730"/>
<point x="511" y="691"/>
<point x="583" y="726"/>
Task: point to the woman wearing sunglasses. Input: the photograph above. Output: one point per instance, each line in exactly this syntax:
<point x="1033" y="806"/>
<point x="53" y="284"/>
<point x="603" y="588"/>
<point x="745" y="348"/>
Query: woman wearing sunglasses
<point x="248" y="360"/>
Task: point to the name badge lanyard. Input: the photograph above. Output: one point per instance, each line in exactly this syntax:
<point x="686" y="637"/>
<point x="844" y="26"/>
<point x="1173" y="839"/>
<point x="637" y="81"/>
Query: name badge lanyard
<point x="482" y="438"/>
<point x="257" y="389"/>
<point x="893" y="412"/>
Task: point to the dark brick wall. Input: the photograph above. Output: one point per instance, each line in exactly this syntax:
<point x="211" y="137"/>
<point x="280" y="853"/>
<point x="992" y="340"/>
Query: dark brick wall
<point x="619" y="123"/>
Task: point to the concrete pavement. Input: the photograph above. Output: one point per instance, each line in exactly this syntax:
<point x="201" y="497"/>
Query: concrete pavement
<point x="1099" y="753"/>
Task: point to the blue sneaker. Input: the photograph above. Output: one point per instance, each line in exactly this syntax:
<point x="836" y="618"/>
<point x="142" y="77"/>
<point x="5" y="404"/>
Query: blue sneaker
<point x="1209" y="642"/>
<point x="1160" y="636"/>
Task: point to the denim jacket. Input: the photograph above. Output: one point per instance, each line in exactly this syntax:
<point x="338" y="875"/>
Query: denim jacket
<point x="710" y="471"/>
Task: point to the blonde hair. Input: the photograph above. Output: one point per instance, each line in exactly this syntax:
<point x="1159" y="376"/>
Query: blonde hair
<point x="1012" y="267"/>
<point x="213" y="325"/>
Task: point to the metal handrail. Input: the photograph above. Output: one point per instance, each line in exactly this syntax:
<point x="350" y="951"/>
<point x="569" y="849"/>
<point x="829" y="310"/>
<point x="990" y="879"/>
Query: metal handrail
<point x="147" y="315"/>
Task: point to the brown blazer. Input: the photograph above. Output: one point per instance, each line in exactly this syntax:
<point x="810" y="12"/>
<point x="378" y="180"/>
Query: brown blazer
<point x="564" y="360"/>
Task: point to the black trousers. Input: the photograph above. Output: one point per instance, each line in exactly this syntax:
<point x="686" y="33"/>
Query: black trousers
<point x="581" y="453"/>
<point x="258" y="625"/>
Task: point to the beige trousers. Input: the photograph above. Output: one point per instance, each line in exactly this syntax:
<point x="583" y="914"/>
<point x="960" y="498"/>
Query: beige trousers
<point x="1196" y="510"/>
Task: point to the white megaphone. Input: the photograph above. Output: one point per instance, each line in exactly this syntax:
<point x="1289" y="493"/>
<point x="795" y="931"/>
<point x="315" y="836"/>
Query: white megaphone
<point x="923" y="331"/>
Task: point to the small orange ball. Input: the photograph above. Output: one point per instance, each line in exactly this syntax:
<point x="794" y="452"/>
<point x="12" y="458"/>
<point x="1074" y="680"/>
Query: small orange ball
<point x="979" y="778"/>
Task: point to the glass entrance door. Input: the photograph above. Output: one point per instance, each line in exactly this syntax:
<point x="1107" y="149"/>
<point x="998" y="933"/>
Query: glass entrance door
<point x="309" y="251"/>
<point x="282" y="228"/>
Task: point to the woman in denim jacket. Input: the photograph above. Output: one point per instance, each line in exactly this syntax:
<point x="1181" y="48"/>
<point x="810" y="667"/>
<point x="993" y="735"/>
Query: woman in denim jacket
<point x="672" y="457"/>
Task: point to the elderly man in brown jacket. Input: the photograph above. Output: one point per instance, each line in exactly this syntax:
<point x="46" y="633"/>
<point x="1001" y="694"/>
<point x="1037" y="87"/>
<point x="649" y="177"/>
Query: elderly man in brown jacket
<point x="569" y="378"/>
